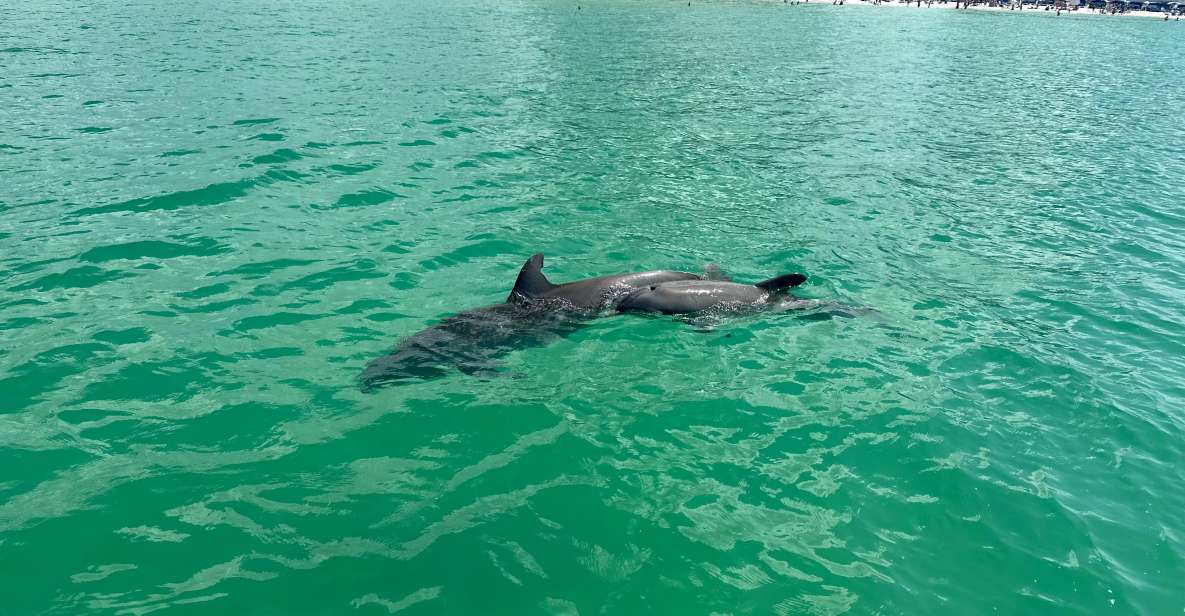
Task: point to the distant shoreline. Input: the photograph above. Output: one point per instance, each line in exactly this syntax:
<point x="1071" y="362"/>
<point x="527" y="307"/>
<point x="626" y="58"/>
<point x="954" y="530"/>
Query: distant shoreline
<point x="984" y="7"/>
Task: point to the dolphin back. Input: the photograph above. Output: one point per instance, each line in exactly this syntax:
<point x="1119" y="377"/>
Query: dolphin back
<point x="779" y="283"/>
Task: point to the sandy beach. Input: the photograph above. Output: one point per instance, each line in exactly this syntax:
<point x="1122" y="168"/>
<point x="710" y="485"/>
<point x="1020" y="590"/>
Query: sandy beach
<point x="1006" y="9"/>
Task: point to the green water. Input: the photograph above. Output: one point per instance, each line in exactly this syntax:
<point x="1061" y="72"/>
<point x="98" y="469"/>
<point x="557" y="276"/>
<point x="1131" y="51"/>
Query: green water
<point x="212" y="215"/>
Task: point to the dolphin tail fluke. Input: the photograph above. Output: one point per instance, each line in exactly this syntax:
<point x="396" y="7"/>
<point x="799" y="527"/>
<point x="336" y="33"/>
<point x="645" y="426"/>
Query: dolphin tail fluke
<point x="531" y="281"/>
<point x="786" y="281"/>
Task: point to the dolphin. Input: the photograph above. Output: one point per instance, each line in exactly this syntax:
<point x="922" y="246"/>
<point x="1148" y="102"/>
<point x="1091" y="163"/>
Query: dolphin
<point x="717" y="296"/>
<point x="537" y="312"/>
<point x="471" y="341"/>
<point x="588" y="294"/>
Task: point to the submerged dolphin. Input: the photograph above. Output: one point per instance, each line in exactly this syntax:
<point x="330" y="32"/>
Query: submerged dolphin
<point x="536" y="313"/>
<point x="699" y="296"/>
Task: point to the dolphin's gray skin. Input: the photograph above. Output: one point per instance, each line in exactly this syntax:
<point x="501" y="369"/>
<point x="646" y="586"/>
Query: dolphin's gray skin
<point x="697" y="296"/>
<point x="471" y="341"/>
<point x="536" y="313"/>
<point x="588" y="294"/>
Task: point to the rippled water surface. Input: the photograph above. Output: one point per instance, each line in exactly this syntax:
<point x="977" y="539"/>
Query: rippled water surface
<point x="214" y="214"/>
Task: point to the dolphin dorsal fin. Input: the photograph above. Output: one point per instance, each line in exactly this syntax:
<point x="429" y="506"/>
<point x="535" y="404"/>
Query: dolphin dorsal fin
<point x="531" y="281"/>
<point x="785" y="281"/>
<point x="713" y="271"/>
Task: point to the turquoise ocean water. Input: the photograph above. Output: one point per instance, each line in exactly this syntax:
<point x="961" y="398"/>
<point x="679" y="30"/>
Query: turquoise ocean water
<point x="213" y="214"/>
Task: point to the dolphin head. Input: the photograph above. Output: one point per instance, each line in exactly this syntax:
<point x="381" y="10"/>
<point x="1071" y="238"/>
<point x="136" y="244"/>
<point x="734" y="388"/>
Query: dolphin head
<point x="402" y="366"/>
